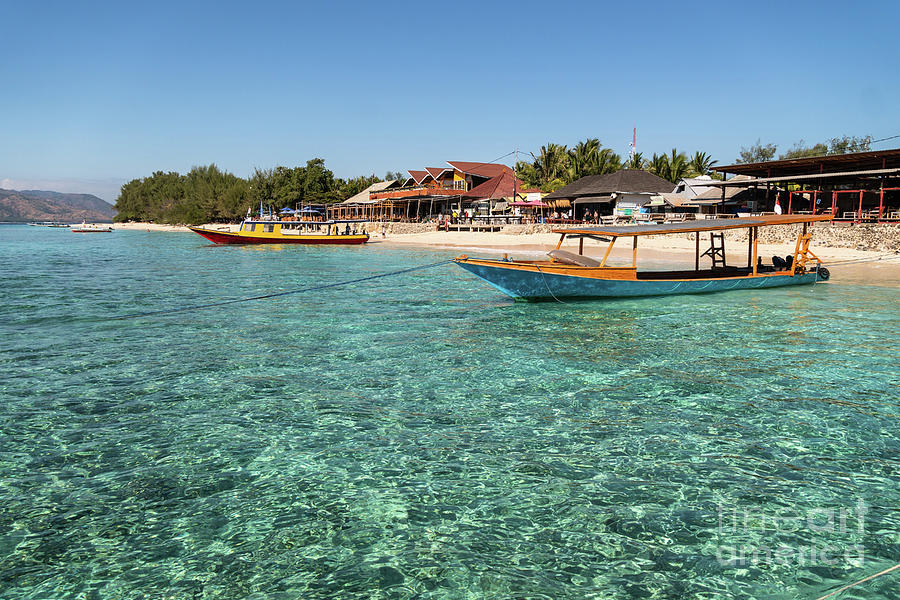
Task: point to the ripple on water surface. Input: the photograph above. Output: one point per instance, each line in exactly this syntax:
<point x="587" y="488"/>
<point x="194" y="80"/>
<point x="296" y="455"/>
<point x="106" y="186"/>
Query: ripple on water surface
<point x="422" y="436"/>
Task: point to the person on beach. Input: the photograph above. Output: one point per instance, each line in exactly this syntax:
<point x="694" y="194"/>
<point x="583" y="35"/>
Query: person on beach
<point x="778" y="204"/>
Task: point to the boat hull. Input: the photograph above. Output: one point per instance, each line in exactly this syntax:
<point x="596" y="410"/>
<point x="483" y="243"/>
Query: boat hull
<point x="225" y="237"/>
<point x="542" y="284"/>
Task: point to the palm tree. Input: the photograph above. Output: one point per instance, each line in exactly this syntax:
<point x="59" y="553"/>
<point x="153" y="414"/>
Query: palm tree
<point x="678" y="166"/>
<point x="608" y="162"/>
<point x="552" y="163"/>
<point x="636" y="161"/>
<point x="583" y="158"/>
<point x="659" y="165"/>
<point x="528" y="174"/>
<point x="589" y="158"/>
<point x="701" y="163"/>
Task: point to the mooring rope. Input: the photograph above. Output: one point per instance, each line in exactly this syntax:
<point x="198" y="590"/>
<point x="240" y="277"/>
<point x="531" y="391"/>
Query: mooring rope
<point x="869" y="578"/>
<point x="277" y="294"/>
<point x="544" y="277"/>
<point x="860" y="260"/>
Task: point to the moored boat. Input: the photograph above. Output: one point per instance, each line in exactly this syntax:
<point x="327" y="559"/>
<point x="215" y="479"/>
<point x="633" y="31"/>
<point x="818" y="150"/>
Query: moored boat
<point x="570" y="275"/>
<point x="91" y="228"/>
<point x="287" y="232"/>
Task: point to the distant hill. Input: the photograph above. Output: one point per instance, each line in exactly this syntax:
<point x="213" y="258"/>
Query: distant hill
<point x="37" y="205"/>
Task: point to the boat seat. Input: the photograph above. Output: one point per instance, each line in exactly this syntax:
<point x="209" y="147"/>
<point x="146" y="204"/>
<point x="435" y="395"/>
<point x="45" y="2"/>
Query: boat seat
<point x="570" y="258"/>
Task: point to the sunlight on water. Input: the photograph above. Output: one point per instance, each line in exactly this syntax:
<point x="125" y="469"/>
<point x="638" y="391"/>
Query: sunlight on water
<point x="423" y="436"/>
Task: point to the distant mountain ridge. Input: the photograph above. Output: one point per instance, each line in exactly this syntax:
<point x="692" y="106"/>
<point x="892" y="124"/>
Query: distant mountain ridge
<point x="39" y="205"/>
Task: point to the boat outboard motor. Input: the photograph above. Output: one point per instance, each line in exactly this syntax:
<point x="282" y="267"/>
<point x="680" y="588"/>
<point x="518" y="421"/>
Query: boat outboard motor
<point x="823" y="273"/>
<point x="778" y="263"/>
<point x="788" y="260"/>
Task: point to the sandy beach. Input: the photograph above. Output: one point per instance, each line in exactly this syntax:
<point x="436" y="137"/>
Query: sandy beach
<point x="880" y="268"/>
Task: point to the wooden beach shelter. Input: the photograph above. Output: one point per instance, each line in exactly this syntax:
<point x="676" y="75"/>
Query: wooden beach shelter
<point x="601" y="192"/>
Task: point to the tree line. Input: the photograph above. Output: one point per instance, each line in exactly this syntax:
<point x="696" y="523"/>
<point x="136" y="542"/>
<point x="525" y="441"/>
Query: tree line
<point x="759" y="152"/>
<point x="556" y="165"/>
<point x="208" y="194"/>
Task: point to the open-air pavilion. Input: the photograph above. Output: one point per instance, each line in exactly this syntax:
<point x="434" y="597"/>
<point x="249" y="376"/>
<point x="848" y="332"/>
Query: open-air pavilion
<point x="859" y="187"/>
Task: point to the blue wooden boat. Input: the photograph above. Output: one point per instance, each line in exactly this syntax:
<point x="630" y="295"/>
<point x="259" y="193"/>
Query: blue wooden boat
<point x="570" y="275"/>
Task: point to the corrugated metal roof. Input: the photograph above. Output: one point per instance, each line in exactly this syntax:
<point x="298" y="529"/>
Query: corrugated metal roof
<point x="859" y="161"/>
<point x="363" y="196"/>
<point x="743" y="181"/>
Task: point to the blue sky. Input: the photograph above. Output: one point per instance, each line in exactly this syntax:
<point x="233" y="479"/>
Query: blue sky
<point x="95" y="94"/>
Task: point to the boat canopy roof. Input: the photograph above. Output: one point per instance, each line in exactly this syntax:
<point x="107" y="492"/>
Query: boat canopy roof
<point x="692" y="226"/>
<point x="279" y="222"/>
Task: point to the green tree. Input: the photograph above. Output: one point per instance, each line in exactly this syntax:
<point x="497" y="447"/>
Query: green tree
<point x="583" y="159"/>
<point x="701" y="164"/>
<point x="589" y="158"/>
<point x="318" y="183"/>
<point x="552" y="163"/>
<point x="679" y="166"/>
<point x="528" y="174"/>
<point x="261" y="187"/>
<point x="636" y="161"/>
<point x="847" y="145"/>
<point x="798" y="150"/>
<point x="757" y="153"/>
<point x="287" y="186"/>
<point x="671" y="167"/>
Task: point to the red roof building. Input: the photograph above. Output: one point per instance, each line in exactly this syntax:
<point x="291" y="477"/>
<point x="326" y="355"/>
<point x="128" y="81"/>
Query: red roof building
<point x="442" y="189"/>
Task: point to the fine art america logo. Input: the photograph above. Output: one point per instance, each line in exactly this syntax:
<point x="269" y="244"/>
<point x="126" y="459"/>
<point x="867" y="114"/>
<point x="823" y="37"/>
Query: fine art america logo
<point x="813" y="537"/>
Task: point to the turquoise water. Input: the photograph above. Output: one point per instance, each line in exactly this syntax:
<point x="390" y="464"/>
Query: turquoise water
<point x="424" y="437"/>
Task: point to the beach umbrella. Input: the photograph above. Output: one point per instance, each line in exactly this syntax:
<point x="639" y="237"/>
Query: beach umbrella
<point x="309" y="210"/>
<point x="288" y="211"/>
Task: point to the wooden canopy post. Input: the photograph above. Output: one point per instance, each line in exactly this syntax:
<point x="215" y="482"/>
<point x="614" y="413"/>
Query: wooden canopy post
<point x="790" y="201"/>
<point x="881" y="201"/>
<point x="634" y="253"/>
<point x="581" y="245"/>
<point x="697" y="251"/>
<point x="859" y="212"/>
<point x="608" y="250"/>
<point x="750" y="248"/>
<point x="833" y="204"/>
<point x="754" y="234"/>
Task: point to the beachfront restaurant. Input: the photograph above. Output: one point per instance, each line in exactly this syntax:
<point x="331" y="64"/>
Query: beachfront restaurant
<point x="862" y="187"/>
<point x="434" y="191"/>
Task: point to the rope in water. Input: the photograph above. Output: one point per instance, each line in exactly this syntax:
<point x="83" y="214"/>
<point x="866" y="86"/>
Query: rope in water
<point x="277" y="294"/>
<point x="869" y="578"/>
<point x="861" y="260"/>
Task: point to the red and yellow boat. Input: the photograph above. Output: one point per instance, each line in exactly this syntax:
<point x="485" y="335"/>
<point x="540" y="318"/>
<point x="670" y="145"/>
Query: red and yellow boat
<point x="264" y="231"/>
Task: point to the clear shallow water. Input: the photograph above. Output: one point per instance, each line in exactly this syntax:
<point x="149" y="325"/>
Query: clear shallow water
<point x="422" y="436"/>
